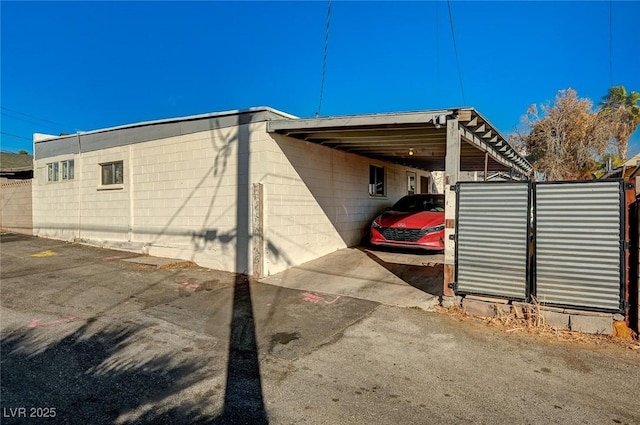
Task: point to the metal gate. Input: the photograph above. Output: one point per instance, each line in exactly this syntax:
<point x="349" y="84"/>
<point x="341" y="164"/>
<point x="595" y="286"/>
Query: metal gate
<point x="492" y="230"/>
<point x="560" y="242"/>
<point x="579" y="250"/>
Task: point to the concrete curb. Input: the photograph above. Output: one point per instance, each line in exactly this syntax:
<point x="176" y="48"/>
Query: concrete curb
<point x="558" y="318"/>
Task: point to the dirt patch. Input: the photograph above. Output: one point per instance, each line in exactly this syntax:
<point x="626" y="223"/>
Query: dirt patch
<point x="180" y="265"/>
<point x="533" y="324"/>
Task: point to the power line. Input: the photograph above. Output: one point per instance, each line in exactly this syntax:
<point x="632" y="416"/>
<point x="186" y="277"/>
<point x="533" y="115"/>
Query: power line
<point x="32" y="121"/>
<point x="455" y="49"/>
<point x="324" y="59"/>
<point x="15" y="135"/>
<point x="33" y="116"/>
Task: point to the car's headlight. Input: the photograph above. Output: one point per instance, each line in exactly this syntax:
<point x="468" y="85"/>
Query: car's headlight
<point x="434" y="229"/>
<point x="376" y="225"/>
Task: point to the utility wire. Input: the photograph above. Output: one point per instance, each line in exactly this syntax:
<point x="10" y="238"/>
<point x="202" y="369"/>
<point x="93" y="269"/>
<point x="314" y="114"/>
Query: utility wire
<point x="14" y="135"/>
<point x="324" y="59"/>
<point x="30" y="121"/>
<point x="455" y="49"/>
<point x="32" y="116"/>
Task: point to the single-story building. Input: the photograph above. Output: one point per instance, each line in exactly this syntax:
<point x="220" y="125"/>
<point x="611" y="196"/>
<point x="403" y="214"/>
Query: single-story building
<point x="253" y="191"/>
<point x="629" y="169"/>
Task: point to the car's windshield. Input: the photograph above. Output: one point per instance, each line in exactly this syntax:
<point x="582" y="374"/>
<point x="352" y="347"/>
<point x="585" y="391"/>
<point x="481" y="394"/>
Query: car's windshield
<point x="416" y="203"/>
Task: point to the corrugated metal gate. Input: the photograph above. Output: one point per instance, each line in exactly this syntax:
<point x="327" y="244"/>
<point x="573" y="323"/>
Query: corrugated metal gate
<point x="579" y="230"/>
<point x="576" y="242"/>
<point x="492" y="234"/>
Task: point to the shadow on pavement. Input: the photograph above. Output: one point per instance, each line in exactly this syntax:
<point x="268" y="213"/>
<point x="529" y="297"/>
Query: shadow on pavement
<point x="243" y="401"/>
<point x="88" y="377"/>
<point x="426" y="277"/>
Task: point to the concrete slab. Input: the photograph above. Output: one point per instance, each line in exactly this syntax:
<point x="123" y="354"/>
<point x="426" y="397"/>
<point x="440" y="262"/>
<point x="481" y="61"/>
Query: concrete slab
<point x="519" y="309"/>
<point x="503" y="309"/>
<point x="592" y="324"/>
<point x="478" y="308"/>
<point x="386" y="277"/>
<point x="555" y="319"/>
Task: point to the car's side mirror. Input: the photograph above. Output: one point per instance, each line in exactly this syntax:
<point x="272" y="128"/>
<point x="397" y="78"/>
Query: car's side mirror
<point x="387" y="208"/>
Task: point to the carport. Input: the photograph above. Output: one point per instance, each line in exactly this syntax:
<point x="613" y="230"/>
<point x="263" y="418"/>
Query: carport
<point x="449" y="140"/>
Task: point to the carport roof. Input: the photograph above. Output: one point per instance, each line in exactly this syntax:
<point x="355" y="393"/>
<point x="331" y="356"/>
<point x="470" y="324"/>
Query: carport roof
<point x="414" y="139"/>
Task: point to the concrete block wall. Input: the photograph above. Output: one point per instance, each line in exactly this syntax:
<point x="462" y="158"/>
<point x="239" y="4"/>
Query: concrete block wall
<point x="189" y="197"/>
<point x="16" y="206"/>
<point x="185" y="200"/>
<point x="179" y="198"/>
<point x="104" y="211"/>
<point x="56" y="208"/>
<point x="317" y="200"/>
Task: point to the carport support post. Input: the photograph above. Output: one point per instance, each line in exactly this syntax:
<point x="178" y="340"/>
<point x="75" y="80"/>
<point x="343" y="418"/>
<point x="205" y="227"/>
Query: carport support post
<point x="451" y="173"/>
<point x="486" y="165"/>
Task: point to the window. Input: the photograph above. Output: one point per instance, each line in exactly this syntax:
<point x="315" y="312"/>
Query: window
<point x="376" y="181"/>
<point x="411" y="183"/>
<point x="112" y="173"/>
<point x="67" y="169"/>
<point x="52" y="172"/>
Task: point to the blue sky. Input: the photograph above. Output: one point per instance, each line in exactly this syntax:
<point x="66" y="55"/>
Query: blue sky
<point x="80" y="66"/>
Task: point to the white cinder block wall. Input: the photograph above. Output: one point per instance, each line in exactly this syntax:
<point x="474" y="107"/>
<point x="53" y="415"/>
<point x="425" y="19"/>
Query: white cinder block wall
<point x="185" y="198"/>
<point x="56" y="211"/>
<point x="180" y="198"/>
<point x="80" y="208"/>
<point x="317" y="200"/>
<point x="105" y="213"/>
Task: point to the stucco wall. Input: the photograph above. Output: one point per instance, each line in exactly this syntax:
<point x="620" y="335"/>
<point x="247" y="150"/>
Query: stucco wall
<point x="16" y="208"/>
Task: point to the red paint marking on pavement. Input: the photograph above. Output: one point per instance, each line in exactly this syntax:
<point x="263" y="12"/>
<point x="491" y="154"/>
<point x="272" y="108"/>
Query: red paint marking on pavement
<point x="316" y="298"/>
<point x="35" y="323"/>
<point x="312" y="298"/>
<point x="334" y="300"/>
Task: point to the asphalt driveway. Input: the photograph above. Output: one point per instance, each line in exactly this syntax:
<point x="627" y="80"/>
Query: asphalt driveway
<point x="91" y="338"/>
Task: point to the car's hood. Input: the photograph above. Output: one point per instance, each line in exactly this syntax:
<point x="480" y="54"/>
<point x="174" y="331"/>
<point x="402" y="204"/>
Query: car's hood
<point x="410" y="220"/>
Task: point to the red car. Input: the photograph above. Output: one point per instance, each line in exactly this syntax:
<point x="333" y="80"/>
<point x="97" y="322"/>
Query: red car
<point x="415" y="221"/>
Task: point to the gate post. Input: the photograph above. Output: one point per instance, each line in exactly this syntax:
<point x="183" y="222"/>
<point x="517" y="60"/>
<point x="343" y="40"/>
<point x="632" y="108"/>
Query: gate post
<point x="451" y="173"/>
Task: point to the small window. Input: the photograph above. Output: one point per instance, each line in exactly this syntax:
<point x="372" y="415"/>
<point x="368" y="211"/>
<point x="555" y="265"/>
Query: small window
<point x="52" y="172"/>
<point x="411" y="183"/>
<point x="67" y="169"/>
<point x="376" y="181"/>
<point x="112" y="173"/>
